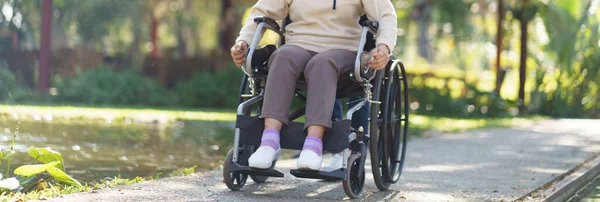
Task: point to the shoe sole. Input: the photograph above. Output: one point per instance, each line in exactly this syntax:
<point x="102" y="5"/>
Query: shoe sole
<point x="307" y="169"/>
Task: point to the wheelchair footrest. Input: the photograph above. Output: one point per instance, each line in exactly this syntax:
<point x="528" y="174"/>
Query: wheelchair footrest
<point x="339" y="174"/>
<point x="271" y="172"/>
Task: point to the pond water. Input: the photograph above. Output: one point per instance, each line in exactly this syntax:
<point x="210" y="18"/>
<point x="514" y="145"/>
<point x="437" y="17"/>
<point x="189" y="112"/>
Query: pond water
<point x="93" y="151"/>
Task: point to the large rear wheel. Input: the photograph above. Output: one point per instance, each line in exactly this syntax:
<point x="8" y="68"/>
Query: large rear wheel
<point x="376" y="135"/>
<point x="389" y="126"/>
<point x="395" y="122"/>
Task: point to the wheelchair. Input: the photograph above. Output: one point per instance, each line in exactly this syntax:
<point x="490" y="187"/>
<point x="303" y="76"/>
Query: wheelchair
<point x="385" y="90"/>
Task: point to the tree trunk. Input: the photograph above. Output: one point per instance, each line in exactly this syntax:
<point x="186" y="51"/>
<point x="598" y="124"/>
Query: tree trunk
<point x="181" y="47"/>
<point x="228" y="26"/>
<point x="499" y="71"/>
<point x="46" y="33"/>
<point x="523" y="66"/>
<point x="423" y="17"/>
<point x="154" y="35"/>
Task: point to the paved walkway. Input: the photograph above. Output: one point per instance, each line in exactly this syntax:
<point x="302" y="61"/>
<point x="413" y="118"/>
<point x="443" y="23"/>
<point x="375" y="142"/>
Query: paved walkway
<point x="480" y="165"/>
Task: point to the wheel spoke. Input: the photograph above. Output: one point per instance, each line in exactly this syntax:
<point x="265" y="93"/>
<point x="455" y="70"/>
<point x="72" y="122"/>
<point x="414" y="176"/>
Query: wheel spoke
<point x="236" y="177"/>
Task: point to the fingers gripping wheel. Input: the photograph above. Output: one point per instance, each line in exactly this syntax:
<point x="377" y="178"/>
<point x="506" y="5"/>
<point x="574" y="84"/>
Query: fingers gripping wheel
<point x="355" y="177"/>
<point x="234" y="180"/>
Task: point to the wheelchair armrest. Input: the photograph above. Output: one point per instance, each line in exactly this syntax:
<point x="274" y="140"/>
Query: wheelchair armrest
<point x="263" y="22"/>
<point x="269" y="23"/>
<point x="362" y="73"/>
<point x="372" y="25"/>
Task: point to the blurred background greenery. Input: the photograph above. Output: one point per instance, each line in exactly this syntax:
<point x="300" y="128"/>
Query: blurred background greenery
<point x="174" y="53"/>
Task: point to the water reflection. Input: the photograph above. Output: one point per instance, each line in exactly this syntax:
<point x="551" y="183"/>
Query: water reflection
<point x="94" y="151"/>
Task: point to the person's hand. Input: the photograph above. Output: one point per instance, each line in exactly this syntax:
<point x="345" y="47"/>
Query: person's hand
<point x="381" y="56"/>
<point x="238" y="53"/>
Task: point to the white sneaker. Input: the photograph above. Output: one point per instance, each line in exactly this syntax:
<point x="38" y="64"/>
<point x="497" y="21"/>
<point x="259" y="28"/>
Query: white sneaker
<point x="334" y="163"/>
<point x="309" y="160"/>
<point x="263" y="157"/>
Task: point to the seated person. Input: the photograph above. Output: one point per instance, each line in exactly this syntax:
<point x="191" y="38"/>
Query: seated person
<point x="321" y="45"/>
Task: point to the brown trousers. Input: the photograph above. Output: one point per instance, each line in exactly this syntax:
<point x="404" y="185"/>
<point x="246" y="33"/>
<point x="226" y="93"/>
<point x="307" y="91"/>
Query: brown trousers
<point x="320" y="71"/>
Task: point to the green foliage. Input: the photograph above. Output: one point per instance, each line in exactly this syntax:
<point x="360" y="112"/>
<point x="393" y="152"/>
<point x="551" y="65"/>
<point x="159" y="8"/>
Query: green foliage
<point x="62" y="176"/>
<point x="46" y="155"/>
<point x="29" y="170"/>
<point x="206" y="89"/>
<point x="8" y="83"/>
<point x="184" y="171"/>
<point x="569" y="88"/>
<point x="448" y="94"/>
<point x="105" y="86"/>
<point x="27" y="173"/>
<point x="57" y="190"/>
<point x="53" y="165"/>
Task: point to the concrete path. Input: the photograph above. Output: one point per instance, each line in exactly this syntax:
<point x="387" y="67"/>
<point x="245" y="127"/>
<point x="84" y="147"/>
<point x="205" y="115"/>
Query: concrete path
<point x="501" y="164"/>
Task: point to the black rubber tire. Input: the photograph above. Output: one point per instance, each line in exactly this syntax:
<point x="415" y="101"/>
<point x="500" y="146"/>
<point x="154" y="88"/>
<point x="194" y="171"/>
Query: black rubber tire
<point x="376" y="141"/>
<point x="234" y="181"/>
<point x="354" y="182"/>
<point x="395" y="122"/>
<point x="259" y="179"/>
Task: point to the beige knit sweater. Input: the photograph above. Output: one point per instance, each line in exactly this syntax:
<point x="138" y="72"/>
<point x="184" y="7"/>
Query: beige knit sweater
<point x="320" y="25"/>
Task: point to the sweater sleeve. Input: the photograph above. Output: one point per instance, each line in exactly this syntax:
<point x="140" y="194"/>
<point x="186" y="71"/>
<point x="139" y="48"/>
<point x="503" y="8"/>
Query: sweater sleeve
<point x="384" y="12"/>
<point x="276" y="9"/>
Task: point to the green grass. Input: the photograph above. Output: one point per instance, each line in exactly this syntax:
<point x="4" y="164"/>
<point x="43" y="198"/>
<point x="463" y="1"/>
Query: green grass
<point x="117" y="114"/>
<point x="418" y="123"/>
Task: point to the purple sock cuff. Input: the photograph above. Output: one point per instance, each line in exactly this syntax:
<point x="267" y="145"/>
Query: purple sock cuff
<point x="313" y="138"/>
<point x="270" y="130"/>
<point x="313" y="144"/>
<point x="270" y="143"/>
<point x="270" y="138"/>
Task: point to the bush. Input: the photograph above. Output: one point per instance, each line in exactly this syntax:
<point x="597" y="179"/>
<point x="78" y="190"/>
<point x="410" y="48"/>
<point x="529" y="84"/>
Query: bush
<point x="8" y="83"/>
<point x="206" y="89"/>
<point x="474" y="103"/>
<point x="105" y="86"/>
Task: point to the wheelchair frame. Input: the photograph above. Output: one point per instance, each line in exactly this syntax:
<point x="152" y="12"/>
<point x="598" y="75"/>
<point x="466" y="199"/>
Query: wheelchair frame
<point x="354" y="154"/>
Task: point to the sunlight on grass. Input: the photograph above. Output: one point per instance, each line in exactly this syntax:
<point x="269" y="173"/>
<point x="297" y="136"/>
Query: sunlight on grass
<point x="115" y="114"/>
<point x="418" y="123"/>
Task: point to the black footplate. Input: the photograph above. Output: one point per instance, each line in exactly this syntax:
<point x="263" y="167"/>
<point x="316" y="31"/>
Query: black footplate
<point x="292" y="136"/>
<point x="271" y="172"/>
<point x="339" y="174"/>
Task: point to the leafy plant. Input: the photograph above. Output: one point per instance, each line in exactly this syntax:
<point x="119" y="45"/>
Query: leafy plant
<point x="184" y="171"/>
<point x="25" y="175"/>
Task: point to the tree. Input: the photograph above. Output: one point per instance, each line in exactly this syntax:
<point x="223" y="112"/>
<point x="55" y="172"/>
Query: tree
<point x="44" y="75"/>
<point x="524" y="14"/>
<point x="499" y="71"/>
